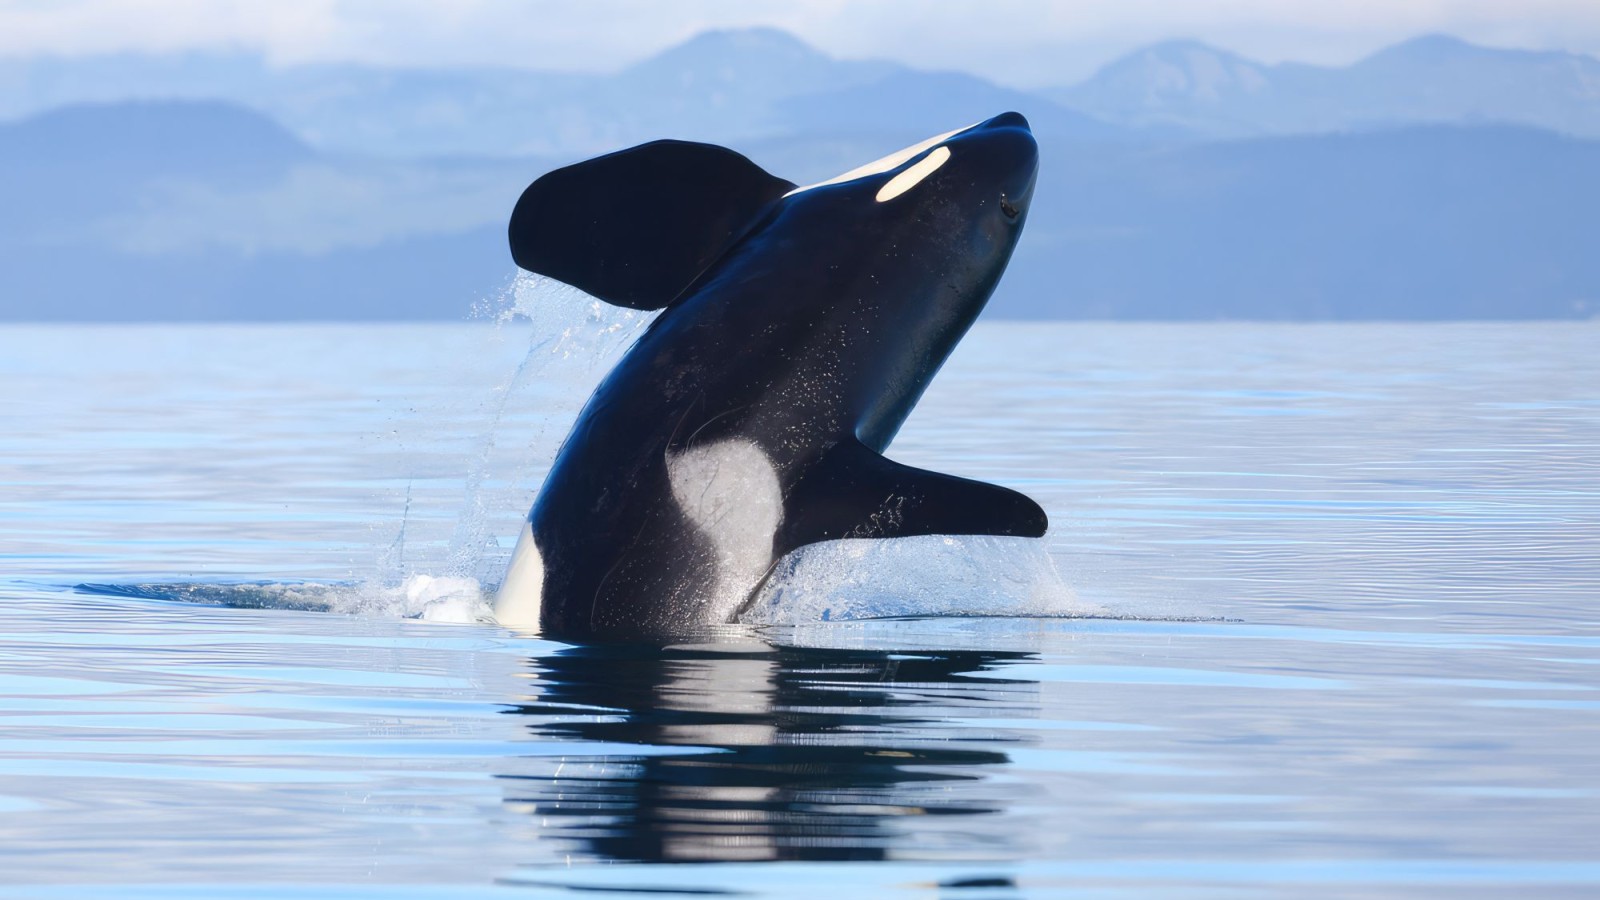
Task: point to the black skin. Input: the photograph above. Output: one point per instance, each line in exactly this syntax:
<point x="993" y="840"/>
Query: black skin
<point x="813" y="337"/>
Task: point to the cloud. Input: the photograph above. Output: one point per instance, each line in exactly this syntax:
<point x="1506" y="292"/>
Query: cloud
<point x="79" y="27"/>
<point x="1017" y="41"/>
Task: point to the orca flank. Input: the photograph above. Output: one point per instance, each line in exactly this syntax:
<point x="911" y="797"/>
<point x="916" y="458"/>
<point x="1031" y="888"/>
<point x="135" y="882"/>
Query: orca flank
<point x="800" y="327"/>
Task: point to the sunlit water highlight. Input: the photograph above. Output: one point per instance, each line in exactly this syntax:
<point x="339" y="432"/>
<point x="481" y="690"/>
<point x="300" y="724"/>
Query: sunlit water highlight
<point x="1355" y="569"/>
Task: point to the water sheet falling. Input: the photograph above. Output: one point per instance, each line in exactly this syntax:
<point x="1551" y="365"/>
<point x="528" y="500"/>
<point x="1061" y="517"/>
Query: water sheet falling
<point x="576" y="339"/>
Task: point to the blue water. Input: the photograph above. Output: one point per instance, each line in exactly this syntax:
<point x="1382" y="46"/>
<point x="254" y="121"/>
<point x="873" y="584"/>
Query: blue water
<point x="1318" y="618"/>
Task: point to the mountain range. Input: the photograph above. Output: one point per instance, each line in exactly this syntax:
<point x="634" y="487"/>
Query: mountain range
<point x="1432" y="180"/>
<point x="1188" y="87"/>
<point x="728" y="87"/>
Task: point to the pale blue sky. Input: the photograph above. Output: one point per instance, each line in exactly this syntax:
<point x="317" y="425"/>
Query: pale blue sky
<point x="1022" y="42"/>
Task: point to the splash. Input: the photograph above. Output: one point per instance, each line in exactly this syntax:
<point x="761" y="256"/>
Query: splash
<point x="422" y="597"/>
<point x="413" y="573"/>
<point x="932" y="575"/>
<point x="576" y="339"/>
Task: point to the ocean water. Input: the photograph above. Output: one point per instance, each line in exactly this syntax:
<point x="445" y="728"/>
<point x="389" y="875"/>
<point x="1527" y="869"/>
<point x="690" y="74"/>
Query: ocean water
<point x="1318" y="616"/>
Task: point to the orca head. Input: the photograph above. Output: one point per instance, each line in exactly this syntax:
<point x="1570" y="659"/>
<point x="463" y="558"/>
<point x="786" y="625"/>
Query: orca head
<point x="998" y="153"/>
<point x="927" y="232"/>
<point x="983" y="169"/>
<point x="991" y="164"/>
<point x="964" y="193"/>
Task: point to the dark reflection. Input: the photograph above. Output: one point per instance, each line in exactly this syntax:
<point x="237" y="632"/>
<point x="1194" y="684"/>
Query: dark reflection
<point x="760" y="752"/>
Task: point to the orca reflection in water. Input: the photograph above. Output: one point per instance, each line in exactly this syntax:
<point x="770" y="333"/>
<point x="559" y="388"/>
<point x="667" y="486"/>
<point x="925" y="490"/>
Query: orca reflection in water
<point x="788" y="753"/>
<point x="801" y="326"/>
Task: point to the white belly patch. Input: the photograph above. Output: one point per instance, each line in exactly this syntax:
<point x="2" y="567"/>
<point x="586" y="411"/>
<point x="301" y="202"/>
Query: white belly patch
<point x="730" y="491"/>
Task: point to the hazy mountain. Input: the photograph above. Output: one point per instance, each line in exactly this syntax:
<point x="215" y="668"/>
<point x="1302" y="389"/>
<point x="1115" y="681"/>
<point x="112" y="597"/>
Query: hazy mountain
<point x="153" y="137"/>
<point x="1428" y="80"/>
<point x="201" y="210"/>
<point x="206" y="210"/>
<point x="916" y="104"/>
<point x="728" y="87"/>
<point x="752" y="85"/>
<point x="1436" y="222"/>
<point x="384" y="193"/>
<point x="66" y="173"/>
<point x="1442" y="78"/>
<point x="1183" y="84"/>
<point x="339" y="107"/>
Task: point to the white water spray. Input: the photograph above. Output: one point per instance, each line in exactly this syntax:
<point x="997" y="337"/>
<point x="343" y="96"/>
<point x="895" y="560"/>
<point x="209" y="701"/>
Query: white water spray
<point x="576" y="341"/>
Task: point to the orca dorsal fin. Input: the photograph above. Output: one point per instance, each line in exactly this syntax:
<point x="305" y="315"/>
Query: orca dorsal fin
<point x="855" y="492"/>
<point x="636" y="227"/>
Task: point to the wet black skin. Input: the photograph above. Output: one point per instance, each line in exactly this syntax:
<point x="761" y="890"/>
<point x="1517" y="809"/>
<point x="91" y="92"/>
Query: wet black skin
<point x="826" y="322"/>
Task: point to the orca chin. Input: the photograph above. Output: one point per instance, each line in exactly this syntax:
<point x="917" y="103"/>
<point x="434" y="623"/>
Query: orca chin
<point x="799" y="328"/>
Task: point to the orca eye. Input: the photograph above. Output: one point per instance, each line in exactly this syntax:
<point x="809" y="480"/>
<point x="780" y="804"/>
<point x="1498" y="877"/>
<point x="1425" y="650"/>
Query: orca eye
<point x="1006" y="207"/>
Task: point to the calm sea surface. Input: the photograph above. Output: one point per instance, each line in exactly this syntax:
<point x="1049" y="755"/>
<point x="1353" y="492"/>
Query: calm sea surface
<point x="1330" y="628"/>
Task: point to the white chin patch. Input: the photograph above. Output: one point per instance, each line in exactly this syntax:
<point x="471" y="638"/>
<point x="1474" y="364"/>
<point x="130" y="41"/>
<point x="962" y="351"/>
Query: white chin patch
<point x="879" y="166"/>
<point x="517" y="603"/>
<point x="730" y="491"/>
<point x="908" y="179"/>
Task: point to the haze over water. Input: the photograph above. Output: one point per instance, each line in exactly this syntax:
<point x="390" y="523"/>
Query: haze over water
<point x="1344" y="576"/>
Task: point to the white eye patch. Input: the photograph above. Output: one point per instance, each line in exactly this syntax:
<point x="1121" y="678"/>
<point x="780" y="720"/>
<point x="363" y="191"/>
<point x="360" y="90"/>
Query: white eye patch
<point x="884" y="164"/>
<point x="908" y="179"/>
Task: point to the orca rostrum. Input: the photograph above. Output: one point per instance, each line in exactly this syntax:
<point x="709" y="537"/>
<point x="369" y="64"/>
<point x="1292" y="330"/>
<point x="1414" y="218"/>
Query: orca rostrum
<point x="800" y="326"/>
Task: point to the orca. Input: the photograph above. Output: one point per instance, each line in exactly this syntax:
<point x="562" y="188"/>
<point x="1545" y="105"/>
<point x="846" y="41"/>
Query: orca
<point x="800" y="325"/>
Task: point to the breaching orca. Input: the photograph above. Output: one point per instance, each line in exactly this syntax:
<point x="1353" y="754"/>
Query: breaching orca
<point x="801" y="326"/>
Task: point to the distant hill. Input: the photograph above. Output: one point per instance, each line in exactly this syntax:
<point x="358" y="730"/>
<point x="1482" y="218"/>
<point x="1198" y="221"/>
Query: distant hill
<point x="205" y="210"/>
<point x="209" y="211"/>
<point x="1443" y="222"/>
<point x="349" y="192"/>
<point x="1429" y="80"/>
<point x="752" y="85"/>
<point x="916" y="104"/>
<point x="154" y="136"/>
<point x="80" y="164"/>
<point x="725" y="87"/>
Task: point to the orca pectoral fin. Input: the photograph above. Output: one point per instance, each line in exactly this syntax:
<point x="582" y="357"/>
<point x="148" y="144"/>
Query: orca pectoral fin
<point x="854" y="492"/>
<point x="636" y="227"/>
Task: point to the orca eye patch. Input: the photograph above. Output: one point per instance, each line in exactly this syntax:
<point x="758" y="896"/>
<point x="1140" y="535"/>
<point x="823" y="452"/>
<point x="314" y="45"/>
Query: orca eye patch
<point x="908" y="179"/>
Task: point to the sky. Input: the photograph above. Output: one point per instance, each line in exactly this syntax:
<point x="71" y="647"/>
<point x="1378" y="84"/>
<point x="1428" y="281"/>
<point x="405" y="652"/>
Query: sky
<point x="1026" y="43"/>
